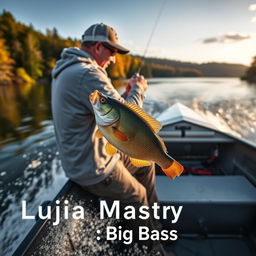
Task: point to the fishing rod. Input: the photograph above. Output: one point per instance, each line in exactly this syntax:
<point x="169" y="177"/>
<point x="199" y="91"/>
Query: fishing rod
<point x="151" y="35"/>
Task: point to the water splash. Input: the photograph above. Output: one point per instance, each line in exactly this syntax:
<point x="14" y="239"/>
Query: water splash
<point x="235" y="117"/>
<point x="38" y="178"/>
<point x="31" y="170"/>
<point x="228" y="103"/>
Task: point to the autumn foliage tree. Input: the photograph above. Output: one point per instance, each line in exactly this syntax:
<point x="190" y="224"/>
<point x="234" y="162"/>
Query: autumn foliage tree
<point x="27" y="55"/>
<point x="33" y="52"/>
<point x="6" y="64"/>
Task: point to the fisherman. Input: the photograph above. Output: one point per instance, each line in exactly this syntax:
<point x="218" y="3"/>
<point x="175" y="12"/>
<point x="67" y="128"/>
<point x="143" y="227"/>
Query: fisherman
<point x="78" y="73"/>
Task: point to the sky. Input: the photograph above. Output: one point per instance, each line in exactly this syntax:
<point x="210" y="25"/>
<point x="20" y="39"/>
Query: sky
<point x="195" y="31"/>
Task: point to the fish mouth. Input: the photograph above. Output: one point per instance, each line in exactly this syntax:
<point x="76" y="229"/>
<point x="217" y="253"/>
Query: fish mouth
<point x="94" y="97"/>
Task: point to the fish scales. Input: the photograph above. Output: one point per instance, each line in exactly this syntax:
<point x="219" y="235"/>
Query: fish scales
<point x="129" y="129"/>
<point x="142" y="140"/>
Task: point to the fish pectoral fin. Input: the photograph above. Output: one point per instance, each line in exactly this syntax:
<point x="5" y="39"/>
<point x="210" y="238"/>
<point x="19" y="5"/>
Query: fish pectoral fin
<point x="139" y="162"/>
<point x="98" y="134"/>
<point x="110" y="149"/>
<point x="119" y="134"/>
<point x="174" y="170"/>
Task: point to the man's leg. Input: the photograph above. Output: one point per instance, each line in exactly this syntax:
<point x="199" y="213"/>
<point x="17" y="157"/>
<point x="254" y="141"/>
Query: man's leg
<point x="146" y="176"/>
<point x="121" y="185"/>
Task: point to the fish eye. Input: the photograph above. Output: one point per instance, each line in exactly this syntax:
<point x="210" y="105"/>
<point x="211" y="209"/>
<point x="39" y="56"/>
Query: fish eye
<point x="103" y="100"/>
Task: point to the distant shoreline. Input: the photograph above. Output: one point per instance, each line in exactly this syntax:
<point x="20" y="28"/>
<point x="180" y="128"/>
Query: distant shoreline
<point x="29" y="55"/>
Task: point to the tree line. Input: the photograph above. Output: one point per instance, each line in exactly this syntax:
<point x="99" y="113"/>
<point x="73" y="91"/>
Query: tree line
<point x="210" y="69"/>
<point x="27" y="55"/>
<point x="250" y="74"/>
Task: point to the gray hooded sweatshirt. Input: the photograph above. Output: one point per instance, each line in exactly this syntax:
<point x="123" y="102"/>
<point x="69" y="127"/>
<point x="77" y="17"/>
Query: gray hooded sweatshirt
<point x="75" y="76"/>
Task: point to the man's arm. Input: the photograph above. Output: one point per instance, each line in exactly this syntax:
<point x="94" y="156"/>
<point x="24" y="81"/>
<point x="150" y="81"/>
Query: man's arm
<point x="135" y="80"/>
<point x="95" y="79"/>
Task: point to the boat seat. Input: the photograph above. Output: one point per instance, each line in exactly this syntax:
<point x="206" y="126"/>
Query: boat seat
<point x="211" y="204"/>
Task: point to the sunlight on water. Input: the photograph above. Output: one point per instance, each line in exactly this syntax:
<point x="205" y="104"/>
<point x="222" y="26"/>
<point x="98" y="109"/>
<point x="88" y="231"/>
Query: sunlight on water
<point x="30" y="171"/>
<point x="29" y="164"/>
<point x="228" y="103"/>
<point x="34" y="190"/>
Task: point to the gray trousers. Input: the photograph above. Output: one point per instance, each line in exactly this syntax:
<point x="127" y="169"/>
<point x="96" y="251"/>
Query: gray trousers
<point x="132" y="186"/>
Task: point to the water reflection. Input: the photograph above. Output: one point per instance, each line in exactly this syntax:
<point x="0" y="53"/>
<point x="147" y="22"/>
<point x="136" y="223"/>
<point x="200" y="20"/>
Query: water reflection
<point x="23" y="109"/>
<point x="29" y="167"/>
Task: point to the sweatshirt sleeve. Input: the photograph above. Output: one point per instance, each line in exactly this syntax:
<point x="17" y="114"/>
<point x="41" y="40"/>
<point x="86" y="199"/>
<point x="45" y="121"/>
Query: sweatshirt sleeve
<point x="96" y="79"/>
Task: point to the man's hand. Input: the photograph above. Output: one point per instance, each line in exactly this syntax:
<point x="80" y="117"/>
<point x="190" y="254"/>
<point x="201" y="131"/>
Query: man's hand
<point x="139" y="80"/>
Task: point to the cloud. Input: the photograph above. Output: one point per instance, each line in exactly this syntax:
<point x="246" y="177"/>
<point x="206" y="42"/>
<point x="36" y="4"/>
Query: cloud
<point x="237" y="37"/>
<point x="252" y="7"/>
<point x="253" y="19"/>
<point x="228" y="38"/>
<point x="210" y="40"/>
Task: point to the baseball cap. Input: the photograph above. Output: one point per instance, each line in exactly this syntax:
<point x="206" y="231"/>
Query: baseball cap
<point x="103" y="33"/>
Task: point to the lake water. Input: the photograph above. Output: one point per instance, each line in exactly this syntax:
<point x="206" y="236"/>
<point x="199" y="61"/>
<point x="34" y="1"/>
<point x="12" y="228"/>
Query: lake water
<point x="29" y="166"/>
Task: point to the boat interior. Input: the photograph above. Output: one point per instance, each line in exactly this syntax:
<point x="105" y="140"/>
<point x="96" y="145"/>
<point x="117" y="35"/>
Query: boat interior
<point x="217" y="188"/>
<point x="217" y="191"/>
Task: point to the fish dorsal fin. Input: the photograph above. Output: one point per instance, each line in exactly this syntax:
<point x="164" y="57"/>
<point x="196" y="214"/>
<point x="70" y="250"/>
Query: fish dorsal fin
<point x="152" y="122"/>
<point x="162" y="143"/>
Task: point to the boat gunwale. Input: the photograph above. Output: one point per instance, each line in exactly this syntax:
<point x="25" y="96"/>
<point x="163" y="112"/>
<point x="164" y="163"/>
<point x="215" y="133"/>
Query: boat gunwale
<point x="192" y="121"/>
<point x="30" y="237"/>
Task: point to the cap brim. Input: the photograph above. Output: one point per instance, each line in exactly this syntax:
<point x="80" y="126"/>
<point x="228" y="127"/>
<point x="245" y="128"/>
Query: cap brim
<point x="120" y="49"/>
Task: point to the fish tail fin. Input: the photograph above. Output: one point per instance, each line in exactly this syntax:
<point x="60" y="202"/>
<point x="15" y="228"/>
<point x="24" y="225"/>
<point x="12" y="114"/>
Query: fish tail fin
<point x="174" y="170"/>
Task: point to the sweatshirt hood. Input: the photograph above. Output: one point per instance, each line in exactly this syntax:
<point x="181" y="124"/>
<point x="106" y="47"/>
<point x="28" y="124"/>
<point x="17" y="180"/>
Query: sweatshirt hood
<point x="70" y="56"/>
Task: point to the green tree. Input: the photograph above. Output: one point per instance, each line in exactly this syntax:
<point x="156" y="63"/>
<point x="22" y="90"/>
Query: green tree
<point x="250" y="74"/>
<point x="8" y="29"/>
<point x="31" y="56"/>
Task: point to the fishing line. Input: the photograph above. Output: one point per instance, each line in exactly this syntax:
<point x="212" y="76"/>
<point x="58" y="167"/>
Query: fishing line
<point x="152" y="33"/>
